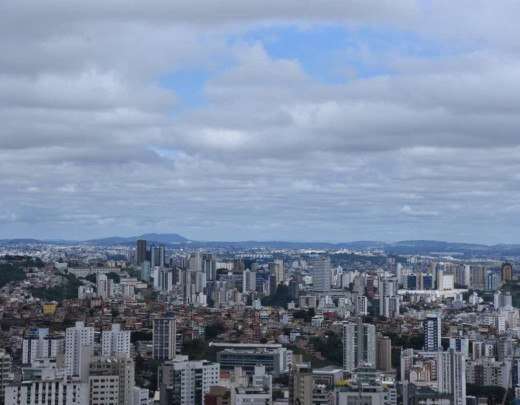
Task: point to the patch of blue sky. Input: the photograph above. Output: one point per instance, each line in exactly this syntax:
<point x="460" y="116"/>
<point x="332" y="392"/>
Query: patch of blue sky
<point x="334" y="53"/>
<point x="164" y="153"/>
<point x="188" y="85"/>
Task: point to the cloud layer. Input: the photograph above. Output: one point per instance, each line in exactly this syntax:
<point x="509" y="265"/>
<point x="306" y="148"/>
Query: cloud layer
<point x="418" y="139"/>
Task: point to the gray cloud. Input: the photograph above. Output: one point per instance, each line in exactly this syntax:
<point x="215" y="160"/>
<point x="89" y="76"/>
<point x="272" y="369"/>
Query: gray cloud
<point x="91" y="144"/>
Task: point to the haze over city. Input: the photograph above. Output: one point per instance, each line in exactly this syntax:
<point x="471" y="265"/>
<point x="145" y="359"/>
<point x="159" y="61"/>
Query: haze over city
<point x="273" y="120"/>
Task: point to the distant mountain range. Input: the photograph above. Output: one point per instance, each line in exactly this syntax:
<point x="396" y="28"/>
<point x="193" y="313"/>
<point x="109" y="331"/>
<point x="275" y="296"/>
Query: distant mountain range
<point x="165" y="238"/>
<point x="401" y="247"/>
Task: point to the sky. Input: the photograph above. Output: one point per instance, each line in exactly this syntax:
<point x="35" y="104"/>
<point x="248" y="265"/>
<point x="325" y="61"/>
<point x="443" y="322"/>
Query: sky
<point x="301" y="120"/>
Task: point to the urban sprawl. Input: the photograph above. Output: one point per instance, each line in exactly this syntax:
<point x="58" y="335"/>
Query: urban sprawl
<point x="146" y="323"/>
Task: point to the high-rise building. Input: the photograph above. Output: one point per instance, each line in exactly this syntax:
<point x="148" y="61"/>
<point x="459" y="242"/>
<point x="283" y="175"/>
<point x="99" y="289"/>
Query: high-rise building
<point x="157" y="256"/>
<point x="273" y="356"/>
<point x="140" y="255"/>
<point x="361" y="305"/>
<point x="102" y="285"/>
<point x="209" y="266"/>
<point x="277" y="272"/>
<point x="115" y="342"/>
<point x="5" y="372"/>
<point x="492" y="280"/>
<point x="46" y="386"/>
<point x="38" y="344"/>
<point x="300" y="384"/>
<point x="383" y="353"/>
<point x="502" y="300"/>
<point x="389" y="301"/>
<point x="454" y="376"/>
<point x="79" y="342"/>
<point x="164" y="279"/>
<point x="478" y="277"/>
<point x="462" y="275"/>
<point x="111" y="381"/>
<point x="164" y="338"/>
<point x="359" y="345"/>
<point x="320" y="270"/>
<point x="460" y="344"/>
<point x="432" y="329"/>
<point x="248" y="281"/>
<point x="506" y="272"/>
<point x="184" y="382"/>
<point x="443" y="372"/>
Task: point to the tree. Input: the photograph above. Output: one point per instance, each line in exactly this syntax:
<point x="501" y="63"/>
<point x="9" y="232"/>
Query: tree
<point x="214" y="329"/>
<point x="10" y="272"/>
<point x="280" y="298"/>
<point x="330" y="346"/>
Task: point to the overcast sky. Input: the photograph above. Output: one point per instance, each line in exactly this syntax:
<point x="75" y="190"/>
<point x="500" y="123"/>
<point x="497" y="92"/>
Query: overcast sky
<point x="310" y="120"/>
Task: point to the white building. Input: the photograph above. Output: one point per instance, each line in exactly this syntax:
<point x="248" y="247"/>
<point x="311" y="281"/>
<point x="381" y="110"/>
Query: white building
<point x="444" y="372"/>
<point x="37" y="344"/>
<point x="185" y="382"/>
<point x="248" y="281"/>
<point x="79" y="342"/>
<point x="361" y="305"/>
<point x="103" y="290"/>
<point x="115" y="342"/>
<point x="47" y="386"/>
<point x="5" y="372"/>
<point x="141" y="396"/>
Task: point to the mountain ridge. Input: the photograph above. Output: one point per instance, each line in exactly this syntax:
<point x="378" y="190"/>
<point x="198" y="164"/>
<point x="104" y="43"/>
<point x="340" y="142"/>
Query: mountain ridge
<point x="404" y="247"/>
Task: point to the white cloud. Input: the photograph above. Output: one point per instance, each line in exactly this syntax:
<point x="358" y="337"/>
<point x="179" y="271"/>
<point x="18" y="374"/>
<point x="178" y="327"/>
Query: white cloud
<point x="91" y="144"/>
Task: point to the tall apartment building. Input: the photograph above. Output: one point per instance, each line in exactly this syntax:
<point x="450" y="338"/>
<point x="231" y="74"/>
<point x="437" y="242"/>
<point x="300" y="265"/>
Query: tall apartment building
<point x="454" y="370"/>
<point x="478" y="277"/>
<point x="79" y="342"/>
<point x="506" y="272"/>
<point x="140" y="253"/>
<point x="209" y="266"/>
<point x="320" y="270"/>
<point x="432" y="328"/>
<point x="248" y="281"/>
<point x="38" y="344"/>
<point x="383" y="353"/>
<point x="115" y="342"/>
<point x="164" y="338"/>
<point x="443" y="372"/>
<point x="5" y="372"/>
<point x="102" y="286"/>
<point x="47" y="387"/>
<point x="300" y="384"/>
<point x="277" y="272"/>
<point x="157" y="256"/>
<point x="111" y="381"/>
<point x="389" y="301"/>
<point x="274" y="357"/>
<point x="361" y="305"/>
<point x="184" y="382"/>
<point x="359" y="345"/>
